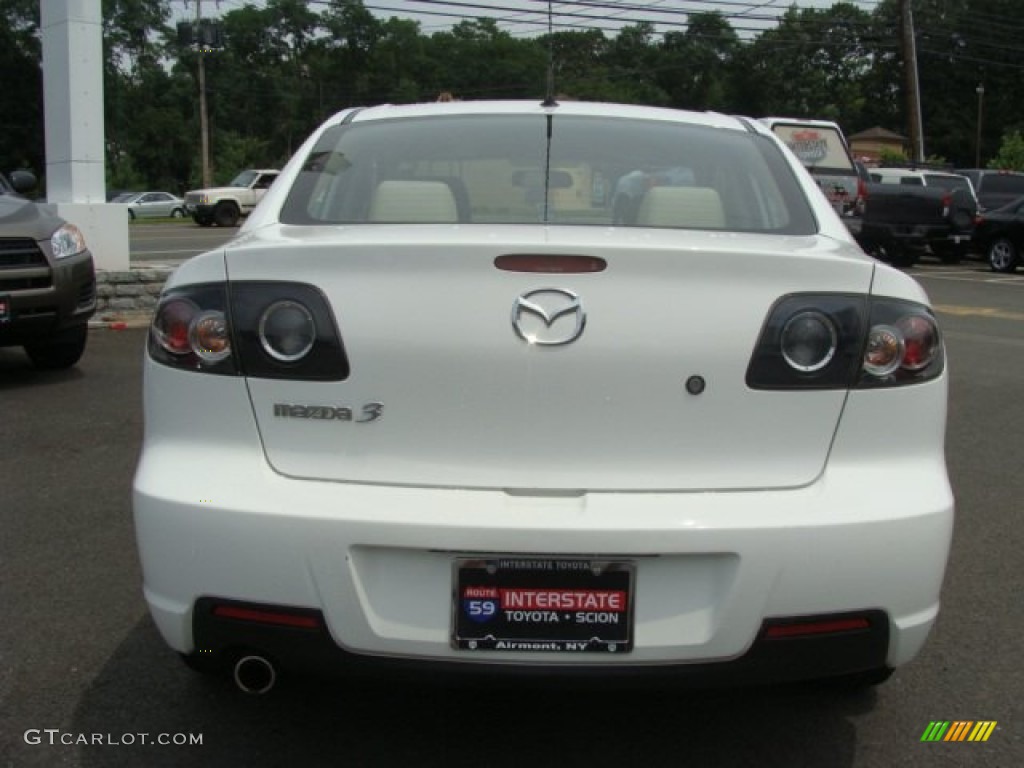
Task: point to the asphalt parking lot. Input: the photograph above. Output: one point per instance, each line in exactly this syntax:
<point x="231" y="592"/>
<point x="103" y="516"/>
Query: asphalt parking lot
<point x="80" y="659"/>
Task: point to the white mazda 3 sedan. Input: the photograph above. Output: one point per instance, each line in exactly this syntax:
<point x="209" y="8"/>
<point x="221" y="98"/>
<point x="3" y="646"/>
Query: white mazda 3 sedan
<point x="446" y="404"/>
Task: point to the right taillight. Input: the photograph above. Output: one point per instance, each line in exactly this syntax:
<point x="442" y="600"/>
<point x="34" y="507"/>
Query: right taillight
<point x="840" y="341"/>
<point x="903" y="346"/>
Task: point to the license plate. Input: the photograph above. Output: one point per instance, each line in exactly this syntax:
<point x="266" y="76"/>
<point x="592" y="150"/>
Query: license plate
<point x="574" y="605"/>
<point x="5" y="309"/>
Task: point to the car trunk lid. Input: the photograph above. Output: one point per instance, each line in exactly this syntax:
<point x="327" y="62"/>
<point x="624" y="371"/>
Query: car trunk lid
<point x="445" y="390"/>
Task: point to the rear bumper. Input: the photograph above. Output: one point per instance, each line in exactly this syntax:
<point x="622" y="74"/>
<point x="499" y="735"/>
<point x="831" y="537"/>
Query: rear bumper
<point x="913" y="235"/>
<point x="221" y="641"/>
<point x="871" y="534"/>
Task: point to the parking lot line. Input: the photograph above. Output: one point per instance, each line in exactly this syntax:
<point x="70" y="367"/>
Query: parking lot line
<point x="970" y="276"/>
<point x="962" y="311"/>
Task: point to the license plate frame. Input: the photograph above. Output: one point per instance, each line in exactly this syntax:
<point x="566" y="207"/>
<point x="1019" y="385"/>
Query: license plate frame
<point x="543" y="604"/>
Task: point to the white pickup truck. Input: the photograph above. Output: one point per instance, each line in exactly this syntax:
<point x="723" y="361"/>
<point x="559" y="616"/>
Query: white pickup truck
<point x="224" y="206"/>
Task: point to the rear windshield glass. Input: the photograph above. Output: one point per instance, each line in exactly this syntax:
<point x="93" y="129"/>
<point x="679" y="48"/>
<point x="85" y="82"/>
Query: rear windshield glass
<point x="949" y="181"/>
<point x="1003" y="184"/>
<point x="529" y="169"/>
<point x="819" y="148"/>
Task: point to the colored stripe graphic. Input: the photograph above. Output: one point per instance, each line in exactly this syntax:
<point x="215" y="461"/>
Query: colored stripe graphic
<point x="935" y="730"/>
<point x="982" y="730"/>
<point x="959" y="730"/>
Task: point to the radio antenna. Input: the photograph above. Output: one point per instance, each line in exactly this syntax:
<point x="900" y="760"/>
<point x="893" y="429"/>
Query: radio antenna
<point x="549" y="97"/>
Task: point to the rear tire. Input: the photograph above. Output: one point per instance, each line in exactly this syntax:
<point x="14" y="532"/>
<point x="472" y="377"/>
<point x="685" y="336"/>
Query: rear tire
<point x="203" y="221"/>
<point x="56" y="354"/>
<point x="1003" y="256"/>
<point x="226" y="214"/>
<point x="177" y="213"/>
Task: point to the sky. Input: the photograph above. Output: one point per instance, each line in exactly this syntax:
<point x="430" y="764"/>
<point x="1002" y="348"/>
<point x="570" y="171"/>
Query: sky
<point x="530" y="17"/>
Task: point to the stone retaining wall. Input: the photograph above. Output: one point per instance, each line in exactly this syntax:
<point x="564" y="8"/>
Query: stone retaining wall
<point x="127" y="299"/>
<point x="134" y="291"/>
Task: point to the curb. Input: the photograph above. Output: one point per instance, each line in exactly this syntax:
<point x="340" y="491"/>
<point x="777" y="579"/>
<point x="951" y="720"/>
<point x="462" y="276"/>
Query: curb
<point x="121" y="321"/>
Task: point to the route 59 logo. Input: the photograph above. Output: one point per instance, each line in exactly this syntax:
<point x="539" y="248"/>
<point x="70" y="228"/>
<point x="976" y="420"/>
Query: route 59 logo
<point x="480" y="604"/>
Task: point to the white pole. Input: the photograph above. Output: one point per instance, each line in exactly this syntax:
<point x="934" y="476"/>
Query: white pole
<point x="72" y="32"/>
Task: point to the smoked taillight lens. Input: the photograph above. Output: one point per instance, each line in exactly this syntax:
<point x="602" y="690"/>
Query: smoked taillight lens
<point x="809" y="341"/>
<point x="260" y="329"/>
<point x="840" y="341"/>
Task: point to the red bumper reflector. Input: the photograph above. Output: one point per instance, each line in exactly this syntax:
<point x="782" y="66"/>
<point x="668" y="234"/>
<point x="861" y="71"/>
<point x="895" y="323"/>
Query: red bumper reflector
<point x="266" y="617"/>
<point x="817" y="628"/>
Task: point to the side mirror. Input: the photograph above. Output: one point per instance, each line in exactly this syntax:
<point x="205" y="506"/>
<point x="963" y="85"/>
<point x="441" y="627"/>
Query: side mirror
<point x="23" y="181"/>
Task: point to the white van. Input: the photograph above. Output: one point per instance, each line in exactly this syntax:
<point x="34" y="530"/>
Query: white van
<point x="822" y="148"/>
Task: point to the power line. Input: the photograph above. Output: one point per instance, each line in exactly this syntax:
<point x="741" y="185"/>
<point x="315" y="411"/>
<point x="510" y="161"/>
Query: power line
<point x="608" y="16"/>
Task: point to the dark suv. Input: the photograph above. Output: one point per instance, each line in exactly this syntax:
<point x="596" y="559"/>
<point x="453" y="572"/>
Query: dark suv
<point x="994" y="189"/>
<point x="47" y="280"/>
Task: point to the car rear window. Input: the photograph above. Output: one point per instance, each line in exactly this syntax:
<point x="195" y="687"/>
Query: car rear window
<point x="1003" y="184"/>
<point x="819" y="148"/>
<point x="530" y="169"/>
<point x="950" y="181"/>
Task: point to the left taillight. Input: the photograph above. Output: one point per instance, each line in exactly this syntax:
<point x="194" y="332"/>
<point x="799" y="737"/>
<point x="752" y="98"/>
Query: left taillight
<point x="839" y="341"/>
<point x="191" y="330"/>
<point x="274" y="330"/>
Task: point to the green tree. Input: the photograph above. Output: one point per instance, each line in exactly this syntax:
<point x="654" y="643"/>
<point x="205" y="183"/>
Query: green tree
<point x="960" y="45"/>
<point x="235" y="152"/>
<point x="892" y="157"/>
<point x="353" y="34"/>
<point x="146" y="108"/>
<point x="631" y="60"/>
<point x="399" y="69"/>
<point x="287" y="64"/>
<point x="579" y="62"/>
<point x="478" y="60"/>
<point x="21" y="108"/>
<point x="1010" y="156"/>
<point x="811" y="65"/>
<point x="694" y="66"/>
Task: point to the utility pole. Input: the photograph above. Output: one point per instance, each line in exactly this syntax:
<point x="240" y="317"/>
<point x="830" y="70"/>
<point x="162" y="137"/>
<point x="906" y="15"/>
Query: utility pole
<point x="912" y="86"/>
<point x="204" y="126"/>
<point x="980" y="90"/>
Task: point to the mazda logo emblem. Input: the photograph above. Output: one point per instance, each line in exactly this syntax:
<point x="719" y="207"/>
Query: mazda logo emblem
<point x="548" y="317"/>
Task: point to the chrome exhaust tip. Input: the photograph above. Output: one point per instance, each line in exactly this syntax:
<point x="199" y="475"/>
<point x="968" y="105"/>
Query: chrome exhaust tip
<point x="255" y="675"/>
